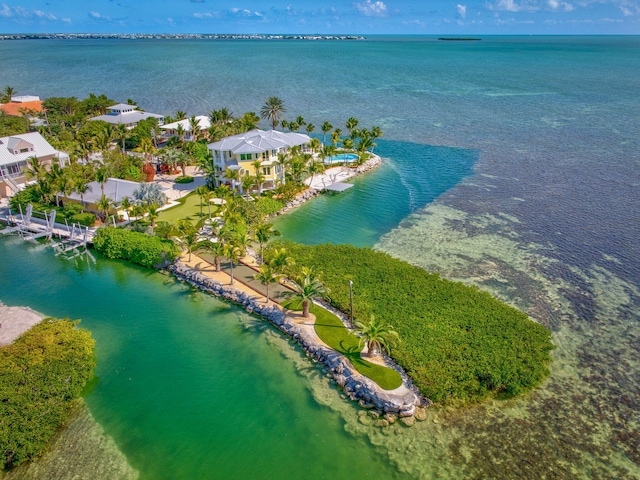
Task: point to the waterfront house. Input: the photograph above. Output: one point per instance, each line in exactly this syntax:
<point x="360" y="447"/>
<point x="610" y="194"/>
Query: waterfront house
<point x="128" y="115"/>
<point x="239" y="152"/>
<point x="173" y="129"/>
<point x="22" y="105"/>
<point x="15" y="152"/>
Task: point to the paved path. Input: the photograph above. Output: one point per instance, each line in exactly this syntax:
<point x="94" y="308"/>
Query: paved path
<point x="14" y="321"/>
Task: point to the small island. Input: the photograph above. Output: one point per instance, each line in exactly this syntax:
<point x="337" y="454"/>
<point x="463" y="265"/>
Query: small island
<point x="459" y="39"/>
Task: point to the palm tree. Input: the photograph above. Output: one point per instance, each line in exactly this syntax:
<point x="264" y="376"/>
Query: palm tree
<point x="376" y="132"/>
<point x="326" y="128"/>
<point x="305" y="289"/>
<point x="280" y="260"/>
<point x="259" y="176"/>
<point x="263" y="233"/>
<point x="233" y="176"/>
<point x="194" y="126"/>
<point x="104" y="204"/>
<point x="314" y="144"/>
<point x="247" y="182"/>
<point x="187" y="235"/>
<point x="273" y="110"/>
<point x="351" y="123"/>
<point x="310" y="128"/>
<point x="347" y="144"/>
<point x="153" y="212"/>
<point x="335" y="136"/>
<point x="201" y="191"/>
<point x="102" y="175"/>
<point x="180" y="115"/>
<point x="217" y="249"/>
<point x="165" y="229"/>
<point x="267" y="275"/>
<point x="376" y="334"/>
<point x="125" y="204"/>
<point x="233" y="252"/>
<point x="7" y="93"/>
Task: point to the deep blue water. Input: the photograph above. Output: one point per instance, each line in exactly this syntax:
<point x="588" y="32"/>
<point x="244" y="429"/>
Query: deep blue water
<point x="530" y="190"/>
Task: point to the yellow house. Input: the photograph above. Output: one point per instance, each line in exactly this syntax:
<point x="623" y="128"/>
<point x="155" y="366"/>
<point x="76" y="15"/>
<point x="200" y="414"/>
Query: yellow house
<point x="240" y="152"/>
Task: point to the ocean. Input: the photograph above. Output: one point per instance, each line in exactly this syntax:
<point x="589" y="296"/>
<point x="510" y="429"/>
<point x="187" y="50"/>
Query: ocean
<point x="510" y="163"/>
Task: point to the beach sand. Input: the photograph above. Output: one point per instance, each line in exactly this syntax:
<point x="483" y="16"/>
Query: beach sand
<point x="14" y="321"/>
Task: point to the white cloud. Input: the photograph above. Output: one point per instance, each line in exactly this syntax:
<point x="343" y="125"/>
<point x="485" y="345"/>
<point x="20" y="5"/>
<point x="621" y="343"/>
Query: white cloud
<point x="23" y="12"/>
<point x="204" y="15"/>
<point x="417" y="23"/>
<point x="98" y="16"/>
<point x="462" y="10"/>
<point x="243" y="12"/>
<point x="372" y="9"/>
<point x="512" y="6"/>
<point x="557" y="5"/>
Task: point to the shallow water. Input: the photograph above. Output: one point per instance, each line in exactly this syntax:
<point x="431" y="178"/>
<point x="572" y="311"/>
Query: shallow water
<point x="541" y="207"/>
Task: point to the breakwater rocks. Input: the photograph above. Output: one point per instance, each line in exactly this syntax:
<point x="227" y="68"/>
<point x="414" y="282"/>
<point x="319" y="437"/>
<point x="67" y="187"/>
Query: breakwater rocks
<point x="404" y="402"/>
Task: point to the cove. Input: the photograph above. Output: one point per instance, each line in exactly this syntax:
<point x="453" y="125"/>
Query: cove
<point x="411" y="176"/>
<point x="189" y="386"/>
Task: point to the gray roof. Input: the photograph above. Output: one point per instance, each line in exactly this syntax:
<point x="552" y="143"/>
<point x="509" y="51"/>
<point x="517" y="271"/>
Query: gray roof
<point x="114" y="188"/>
<point x="256" y="141"/>
<point x="41" y="148"/>
<point x="126" y="118"/>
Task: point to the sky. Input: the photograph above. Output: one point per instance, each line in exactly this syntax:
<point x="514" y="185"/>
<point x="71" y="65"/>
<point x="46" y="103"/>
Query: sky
<point x="364" y="17"/>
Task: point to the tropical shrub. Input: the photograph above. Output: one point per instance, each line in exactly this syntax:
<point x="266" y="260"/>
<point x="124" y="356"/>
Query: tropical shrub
<point x="458" y="343"/>
<point x="269" y="206"/>
<point x="41" y="373"/>
<point x="86" y="219"/>
<point x="137" y="247"/>
<point x="186" y="179"/>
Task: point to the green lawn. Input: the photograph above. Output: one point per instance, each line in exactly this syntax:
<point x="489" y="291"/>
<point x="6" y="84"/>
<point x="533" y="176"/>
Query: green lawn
<point x="189" y="208"/>
<point x="332" y="331"/>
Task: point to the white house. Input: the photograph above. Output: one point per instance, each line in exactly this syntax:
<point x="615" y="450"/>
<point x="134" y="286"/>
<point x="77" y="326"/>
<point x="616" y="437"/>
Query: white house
<point x="239" y="152"/>
<point x="16" y="150"/>
<point x="171" y="129"/>
<point x="126" y="115"/>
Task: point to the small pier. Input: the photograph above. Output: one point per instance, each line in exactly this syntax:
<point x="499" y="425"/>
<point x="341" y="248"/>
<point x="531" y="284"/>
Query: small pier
<point x="68" y="240"/>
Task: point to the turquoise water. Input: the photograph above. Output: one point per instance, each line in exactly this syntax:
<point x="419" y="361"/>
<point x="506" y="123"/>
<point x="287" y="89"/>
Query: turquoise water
<point x="188" y="386"/>
<point x="511" y="164"/>
<point x="411" y="176"/>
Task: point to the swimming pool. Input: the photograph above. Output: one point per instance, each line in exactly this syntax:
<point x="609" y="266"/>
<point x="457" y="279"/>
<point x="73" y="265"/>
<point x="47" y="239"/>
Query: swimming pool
<point x="340" y="158"/>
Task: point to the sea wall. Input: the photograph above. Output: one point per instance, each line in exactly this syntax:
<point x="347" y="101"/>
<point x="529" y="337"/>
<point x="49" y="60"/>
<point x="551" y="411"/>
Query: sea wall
<point x="402" y="402"/>
<point x="374" y="162"/>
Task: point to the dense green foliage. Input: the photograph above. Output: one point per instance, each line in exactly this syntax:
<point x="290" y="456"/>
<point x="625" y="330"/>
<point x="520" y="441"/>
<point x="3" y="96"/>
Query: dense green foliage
<point x="12" y="125"/>
<point x="269" y="206"/>
<point x="40" y="374"/>
<point x="72" y="212"/>
<point x="137" y="247"/>
<point x="332" y="331"/>
<point x="458" y="343"/>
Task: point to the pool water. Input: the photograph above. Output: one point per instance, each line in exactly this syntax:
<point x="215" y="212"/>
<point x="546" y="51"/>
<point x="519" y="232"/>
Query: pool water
<point x="342" y="157"/>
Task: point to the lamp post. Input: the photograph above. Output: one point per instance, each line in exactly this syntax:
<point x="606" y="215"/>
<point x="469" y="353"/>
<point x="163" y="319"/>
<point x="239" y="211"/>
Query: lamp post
<point x="351" y="299"/>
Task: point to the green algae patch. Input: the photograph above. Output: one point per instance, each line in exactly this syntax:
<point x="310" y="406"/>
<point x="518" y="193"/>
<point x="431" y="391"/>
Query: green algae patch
<point x="331" y="331"/>
<point x="459" y="344"/>
<point x="41" y="373"/>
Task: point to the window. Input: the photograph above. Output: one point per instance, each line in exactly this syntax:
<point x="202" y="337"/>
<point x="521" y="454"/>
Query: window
<point x="245" y="156"/>
<point x="265" y="155"/>
<point x="266" y="170"/>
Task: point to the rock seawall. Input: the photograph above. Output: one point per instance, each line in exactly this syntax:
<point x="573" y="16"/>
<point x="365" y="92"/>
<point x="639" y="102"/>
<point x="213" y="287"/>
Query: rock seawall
<point x="402" y="401"/>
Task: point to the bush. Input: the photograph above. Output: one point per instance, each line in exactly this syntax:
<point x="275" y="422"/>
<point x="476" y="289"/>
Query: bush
<point x="458" y="343"/>
<point x="41" y="373"/>
<point x="269" y="206"/>
<point x="186" y="179"/>
<point x="137" y="247"/>
<point x="86" y="219"/>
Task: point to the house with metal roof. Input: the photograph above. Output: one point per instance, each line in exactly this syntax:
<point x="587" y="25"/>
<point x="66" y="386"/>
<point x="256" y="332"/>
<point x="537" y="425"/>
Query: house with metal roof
<point x="15" y="152"/>
<point x="128" y="115"/>
<point x="173" y="129"/>
<point x="239" y="152"/>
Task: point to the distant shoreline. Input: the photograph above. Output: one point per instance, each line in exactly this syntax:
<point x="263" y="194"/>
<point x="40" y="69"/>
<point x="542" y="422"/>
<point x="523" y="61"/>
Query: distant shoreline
<point x="170" y="36"/>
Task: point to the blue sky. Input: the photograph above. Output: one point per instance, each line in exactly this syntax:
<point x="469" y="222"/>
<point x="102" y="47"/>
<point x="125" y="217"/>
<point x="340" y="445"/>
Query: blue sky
<point x="322" y="16"/>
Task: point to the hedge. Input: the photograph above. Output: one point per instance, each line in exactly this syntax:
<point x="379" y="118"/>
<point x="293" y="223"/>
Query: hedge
<point x="41" y="373"/>
<point x="457" y="343"/>
<point x="137" y="247"/>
